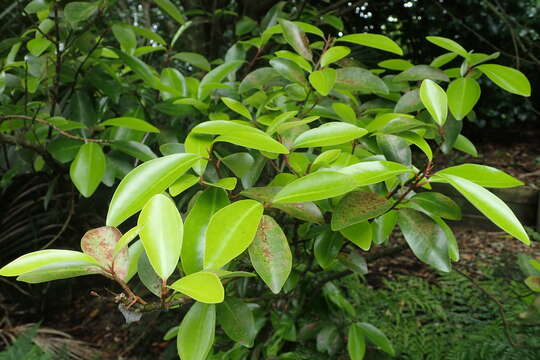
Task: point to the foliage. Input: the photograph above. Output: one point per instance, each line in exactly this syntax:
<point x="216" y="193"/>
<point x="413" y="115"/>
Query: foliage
<point x="298" y="155"/>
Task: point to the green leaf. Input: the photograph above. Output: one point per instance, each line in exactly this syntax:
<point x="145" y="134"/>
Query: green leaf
<point x="356" y="343"/>
<point x="172" y="148"/>
<point x="453" y="248"/>
<point x="149" y="34"/>
<point x="37" y="259"/>
<point x="297" y="59"/>
<point x="421" y="72"/>
<point x="463" y="94"/>
<point x="147" y="274"/>
<point x="81" y="108"/>
<point x="88" y="168"/>
<point x="36" y="6"/>
<point x="237" y="107"/>
<point x="376" y="41"/>
<point x="419" y="141"/>
<point x="58" y="271"/>
<point x="326" y="247"/>
<point x="280" y="119"/>
<point x="289" y="70"/>
<point x="296" y="37"/>
<point x="140" y="68"/>
<point x="183" y="183"/>
<point x="489" y="205"/>
<point x="394" y="148"/>
<point x="172" y="10"/>
<point x="237" y="321"/>
<point x="465" y="145"/>
<point x="433" y="203"/>
<point x="270" y="254"/>
<point x="377" y="337"/>
<point x="145" y="181"/>
<point x="196" y="332"/>
<point x="323" y="80"/>
<point x="409" y="102"/>
<point x="360" y="234"/>
<point x="358" y="79"/>
<point x="482" y="175"/>
<point x="203" y="286"/>
<point x="243" y="166"/>
<point x="316" y="186"/>
<point x="134" y="148"/>
<point x="174" y="80"/>
<point x="206" y="205"/>
<point x="331" y="133"/>
<point x="443" y="59"/>
<point x="533" y="282"/>
<point x="372" y="172"/>
<point x="38" y="46"/>
<point x="325" y="158"/>
<point x="125" y="37"/>
<point x="257" y="79"/>
<point x="383" y="227"/>
<point x="131" y="123"/>
<point x="449" y="45"/>
<point x="509" y="79"/>
<point x="334" y="54"/>
<point x="228" y="183"/>
<point x="255" y="140"/>
<point x="76" y="11"/>
<point x="435" y="100"/>
<point x="126" y="239"/>
<point x="171" y="333"/>
<point x="216" y="76"/>
<point x="396" y="64"/>
<point x="426" y="238"/>
<point x="194" y="59"/>
<point x="345" y="112"/>
<point x="161" y="231"/>
<point x="357" y="207"/>
<point x="100" y="244"/>
<point x="230" y="231"/>
<point x="200" y="145"/>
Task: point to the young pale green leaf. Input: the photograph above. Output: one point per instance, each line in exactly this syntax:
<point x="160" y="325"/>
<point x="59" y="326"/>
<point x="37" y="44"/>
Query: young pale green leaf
<point x="463" y="94"/>
<point x="196" y="332"/>
<point x="88" y="168"/>
<point x="161" y="231"/>
<point x="206" y="205"/>
<point x="236" y="319"/>
<point x="131" y="123"/>
<point x="345" y="112"/>
<point x="237" y="107"/>
<point x="435" y="204"/>
<point x="146" y="180"/>
<point x="316" y="186"/>
<point x="280" y="119"/>
<point x="507" y="78"/>
<point x="372" y="172"/>
<point x="324" y="159"/>
<point x="323" y="80"/>
<point x="435" y="100"/>
<point x="449" y="45"/>
<point x="356" y="343"/>
<point x="171" y="9"/>
<point x="296" y="37"/>
<point x="421" y="72"/>
<point x="126" y="239"/>
<point x="360" y="234"/>
<point x="326" y="247"/>
<point x="289" y="70"/>
<point x="482" y="175"/>
<point x="201" y="145"/>
<point x="396" y="64"/>
<point x="182" y="184"/>
<point x="357" y="207"/>
<point x="203" y="286"/>
<point x="228" y="183"/>
<point x="194" y="59"/>
<point x="426" y="238"/>
<point x="76" y="11"/>
<point x="332" y="133"/>
<point x="100" y="244"/>
<point x="358" y="79"/>
<point x="36" y="259"/>
<point x="216" y="76"/>
<point x="465" y="145"/>
<point x="334" y="54"/>
<point x="377" y="337"/>
<point x="60" y="270"/>
<point x="489" y="205"/>
<point x="230" y="231"/>
<point x="297" y="59"/>
<point x="376" y="41"/>
<point x="171" y="333"/>
<point x="442" y="59"/>
<point x="270" y="254"/>
<point x="38" y="46"/>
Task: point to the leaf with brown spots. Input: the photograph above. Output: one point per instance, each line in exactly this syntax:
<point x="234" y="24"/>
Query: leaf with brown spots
<point x="270" y="254"/>
<point x="357" y="207"/>
<point x="100" y="244"/>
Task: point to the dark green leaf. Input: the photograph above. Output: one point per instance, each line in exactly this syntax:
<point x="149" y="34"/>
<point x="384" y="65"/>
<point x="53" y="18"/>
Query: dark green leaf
<point x="357" y="207"/>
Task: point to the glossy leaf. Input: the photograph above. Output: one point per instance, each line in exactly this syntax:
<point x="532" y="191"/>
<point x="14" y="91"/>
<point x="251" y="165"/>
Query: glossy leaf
<point x="147" y="275"/>
<point x="448" y="44"/>
<point x="326" y="247"/>
<point x="171" y="9"/>
<point x="489" y="205"/>
<point x="203" y="286"/>
<point x="507" y="78"/>
<point x="331" y="133"/>
<point x="196" y="332"/>
<point x="126" y="239"/>
<point x="161" y="231"/>
<point x="289" y="70"/>
<point x="334" y="54"/>
<point x="228" y="183"/>
<point x="230" y="231"/>
<point x="270" y="254"/>
<point x="201" y="145"/>
<point x="146" y="180"/>
<point x="144" y="71"/>
<point x="296" y="37"/>
<point x="463" y="94"/>
<point x="361" y="234"/>
<point x="426" y="238"/>
<point x="88" y="168"/>
<point x="396" y="64"/>
<point x="60" y="270"/>
<point x="100" y="243"/>
<point x="76" y="11"/>
<point x="358" y="79"/>
<point x="237" y="321"/>
<point x="358" y="207"/>
<point x="465" y="145"/>
<point x="216" y="76"/>
<point x="377" y="337"/>
<point x="183" y="183"/>
<point x="237" y="107"/>
<point x="435" y="100"/>
<point x="372" y="172"/>
<point x="131" y="123"/>
<point x="421" y="72"/>
<point x="194" y="244"/>
<point x="394" y="148"/>
<point x="323" y="80"/>
<point x="432" y="203"/>
<point x="257" y="79"/>
<point x="356" y="343"/>
<point x="194" y="59"/>
<point x="376" y="41"/>
<point x="134" y="148"/>
<point x="383" y="227"/>
<point x="482" y="175"/>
